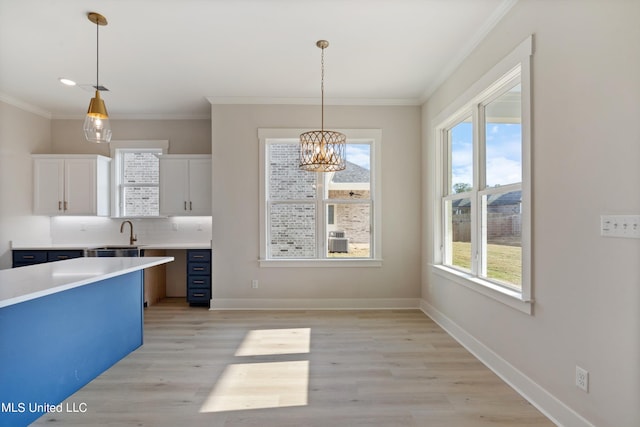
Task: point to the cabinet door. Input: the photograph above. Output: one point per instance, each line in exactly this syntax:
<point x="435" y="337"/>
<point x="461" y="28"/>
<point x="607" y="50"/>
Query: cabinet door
<point x="80" y="186"/>
<point x="200" y="187"/>
<point x="48" y="189"/>
<point x="174" y="181"/>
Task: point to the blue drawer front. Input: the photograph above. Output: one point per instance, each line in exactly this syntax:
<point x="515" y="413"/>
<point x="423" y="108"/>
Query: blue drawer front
<point x="28" y="257"/>
<point x="60" y="255"/>
<point x="199" y="282"/>
<point x="198" y="295"/>
<point x="199" y="268"/>
<point x="199" y="255"/>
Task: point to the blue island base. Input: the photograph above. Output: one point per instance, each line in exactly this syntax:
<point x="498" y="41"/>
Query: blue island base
<point x="54" y="345"/>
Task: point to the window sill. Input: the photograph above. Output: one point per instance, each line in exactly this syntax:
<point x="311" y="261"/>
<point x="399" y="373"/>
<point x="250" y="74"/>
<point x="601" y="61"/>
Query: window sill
<point x="506" y="296"/>
<point x="333" y="263"/>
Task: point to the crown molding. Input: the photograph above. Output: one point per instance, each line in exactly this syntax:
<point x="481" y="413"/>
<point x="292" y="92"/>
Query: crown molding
<point x="7" y="99"/>
<point x="465" y="51"/>
<point x="249" y="100"/>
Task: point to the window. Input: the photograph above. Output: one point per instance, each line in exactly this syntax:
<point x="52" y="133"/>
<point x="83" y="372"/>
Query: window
<point x="484" y="197"/>
<point x="308" y="216"/>
<point x="136" y="177"/>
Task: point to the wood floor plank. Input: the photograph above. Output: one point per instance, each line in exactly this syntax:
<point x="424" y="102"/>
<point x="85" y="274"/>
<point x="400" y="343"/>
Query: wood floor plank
<point x="296" y="368"/>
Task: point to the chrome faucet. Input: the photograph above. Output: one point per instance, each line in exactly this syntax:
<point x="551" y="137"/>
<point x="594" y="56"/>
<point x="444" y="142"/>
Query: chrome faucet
<point x="132" y="238"/>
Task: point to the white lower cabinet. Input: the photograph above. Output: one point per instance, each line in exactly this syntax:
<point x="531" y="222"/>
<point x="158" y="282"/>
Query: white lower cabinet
<point x="185" y="185"/>
<point x="71" y="184"/>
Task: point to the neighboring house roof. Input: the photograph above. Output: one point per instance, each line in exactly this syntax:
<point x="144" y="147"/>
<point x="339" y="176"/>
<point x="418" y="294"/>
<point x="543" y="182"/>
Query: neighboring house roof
<point x="504" y="199"/>
<point x="353" y="173"/>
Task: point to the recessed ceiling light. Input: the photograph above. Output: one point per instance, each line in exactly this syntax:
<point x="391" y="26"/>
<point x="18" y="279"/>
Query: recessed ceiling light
<point x="67" y="81"/>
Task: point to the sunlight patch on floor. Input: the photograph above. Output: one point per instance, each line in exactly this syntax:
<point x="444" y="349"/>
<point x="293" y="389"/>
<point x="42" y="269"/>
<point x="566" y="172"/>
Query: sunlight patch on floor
<point x="260" y="385"/>
<point x="261" y="342"/>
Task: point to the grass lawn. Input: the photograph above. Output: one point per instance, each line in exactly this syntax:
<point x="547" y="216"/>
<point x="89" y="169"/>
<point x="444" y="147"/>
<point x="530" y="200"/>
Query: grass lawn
<point x="504" y="263"/>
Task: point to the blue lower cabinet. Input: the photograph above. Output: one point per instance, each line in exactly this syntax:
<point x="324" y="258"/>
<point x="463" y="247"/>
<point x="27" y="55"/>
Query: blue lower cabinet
<point x="30" y="257"/>
<point x="62" y="255"/>
<point x="199" y="276"/>
<point x="22" y="258"/>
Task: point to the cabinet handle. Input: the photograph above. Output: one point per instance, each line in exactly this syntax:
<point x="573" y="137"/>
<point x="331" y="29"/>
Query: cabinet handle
<point x="65" y="205"/>
<point x="198" y="295"/>
<point x="190" y="206"/>
<point x="199" y="282"/>
<point x="198" y="256"/>
<point x="59" y="205"/>
<point x="63" y="257"/>
<point x="198" y="268"/>
<point x="185" y="205"/>
<point x="28" y="257"/>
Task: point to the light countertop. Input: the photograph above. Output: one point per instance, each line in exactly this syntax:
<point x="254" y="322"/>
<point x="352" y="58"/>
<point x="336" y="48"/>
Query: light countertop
<point x="83" y="246"/>
<point x="26" y="283"/>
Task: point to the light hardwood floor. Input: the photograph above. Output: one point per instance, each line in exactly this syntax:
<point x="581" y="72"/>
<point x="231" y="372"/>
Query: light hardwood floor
<point x="296" y="368"/>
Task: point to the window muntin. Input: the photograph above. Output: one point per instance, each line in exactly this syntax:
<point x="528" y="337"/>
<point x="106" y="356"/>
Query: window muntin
<point x="343" y="204"/>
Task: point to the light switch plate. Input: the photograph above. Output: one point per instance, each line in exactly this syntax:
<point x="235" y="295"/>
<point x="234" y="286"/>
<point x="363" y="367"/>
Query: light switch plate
<point x="620" y="226"/>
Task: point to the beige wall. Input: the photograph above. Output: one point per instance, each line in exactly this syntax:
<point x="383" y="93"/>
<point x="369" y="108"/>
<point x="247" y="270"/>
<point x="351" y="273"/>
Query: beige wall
<point x="585" y="151"/>
<point x="21" y="133"/>
<point x="185" y="136"/>
<point x="236" y="206"/>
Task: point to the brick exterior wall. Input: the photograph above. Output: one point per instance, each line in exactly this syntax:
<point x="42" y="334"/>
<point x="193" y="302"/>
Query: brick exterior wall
<point x="293" y="225"/>
<point x="141" y="168"/>
<point x="353" y="219"/>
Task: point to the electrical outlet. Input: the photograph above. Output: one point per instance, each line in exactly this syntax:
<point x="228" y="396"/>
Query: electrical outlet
<point x="582" y="379"/>
<point x="254" y="284"/>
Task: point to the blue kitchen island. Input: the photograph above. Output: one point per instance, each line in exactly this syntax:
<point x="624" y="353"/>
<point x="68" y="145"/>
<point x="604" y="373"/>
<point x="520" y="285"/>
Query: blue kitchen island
<point x="61" y="325"/>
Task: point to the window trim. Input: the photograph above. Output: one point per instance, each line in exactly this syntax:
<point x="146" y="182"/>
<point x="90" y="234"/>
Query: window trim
<point x="116" y="148"/>
<point x="374" y="136"/>
<point x="479" y="93"/>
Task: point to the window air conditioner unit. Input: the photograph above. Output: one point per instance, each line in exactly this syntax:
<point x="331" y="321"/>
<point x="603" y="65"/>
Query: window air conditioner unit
<point x="337" y="242"/>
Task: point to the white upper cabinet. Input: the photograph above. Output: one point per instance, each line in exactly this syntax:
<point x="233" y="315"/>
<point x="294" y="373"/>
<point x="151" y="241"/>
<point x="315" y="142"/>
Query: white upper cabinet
<point x="185" y="185"/>
<point x="71" y="185"/>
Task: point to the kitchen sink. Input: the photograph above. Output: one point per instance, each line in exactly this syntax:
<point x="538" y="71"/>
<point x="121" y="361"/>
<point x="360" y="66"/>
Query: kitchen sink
<point x="113" y="251"/>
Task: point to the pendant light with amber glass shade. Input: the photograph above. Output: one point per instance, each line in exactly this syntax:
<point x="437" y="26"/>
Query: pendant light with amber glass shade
<point x="96" y="123"/>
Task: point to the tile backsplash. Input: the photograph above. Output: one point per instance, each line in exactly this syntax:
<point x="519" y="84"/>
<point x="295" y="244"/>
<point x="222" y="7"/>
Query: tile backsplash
<point x="98" y="230"/>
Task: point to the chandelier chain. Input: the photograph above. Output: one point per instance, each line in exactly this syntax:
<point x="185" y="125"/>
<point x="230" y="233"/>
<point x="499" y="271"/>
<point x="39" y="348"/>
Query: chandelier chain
<point x="322" y="88"/>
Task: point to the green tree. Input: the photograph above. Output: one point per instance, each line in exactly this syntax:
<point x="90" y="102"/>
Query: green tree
<point x="461" y="187"/>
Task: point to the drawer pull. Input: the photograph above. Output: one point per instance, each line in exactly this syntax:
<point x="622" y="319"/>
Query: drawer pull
<point x="198" y="256"/>
<point x="63" y="257"/>
<point x="199" y="282"/>
<point x="28" y="257"/>
<point x="198" y="268"/>
<point x="198" y="295"/>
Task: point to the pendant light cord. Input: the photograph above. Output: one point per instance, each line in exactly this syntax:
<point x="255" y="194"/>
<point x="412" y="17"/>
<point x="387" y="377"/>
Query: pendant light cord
<point x="97" y="55"/>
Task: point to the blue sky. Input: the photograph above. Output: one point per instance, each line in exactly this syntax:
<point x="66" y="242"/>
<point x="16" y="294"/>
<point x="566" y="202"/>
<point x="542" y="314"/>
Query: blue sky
<point x="504" y="153"/>
<point x="360" y="154"/>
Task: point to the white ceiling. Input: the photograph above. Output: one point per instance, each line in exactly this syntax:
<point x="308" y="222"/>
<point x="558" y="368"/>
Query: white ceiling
<point x="168" y="59"/>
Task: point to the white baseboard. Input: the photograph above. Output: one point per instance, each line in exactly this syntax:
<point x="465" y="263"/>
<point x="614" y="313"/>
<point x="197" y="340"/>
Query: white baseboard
<point x="548" y="404"/>
<point x="315" y="303"/>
